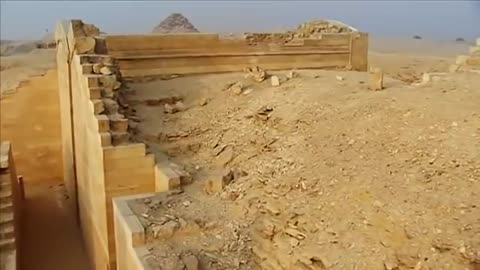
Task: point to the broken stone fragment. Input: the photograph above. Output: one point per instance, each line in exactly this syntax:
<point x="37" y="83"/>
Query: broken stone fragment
<point x="97" y="67"/>
<point x="203" y="101"/>
<point x="236" y="88"/>
<point x="174" y="108"/>
<point x="111" y="106"/>
<point x="98" y="106"/>
<point x="118" y="123"/>
<point x="105" y="70"/>
<point x="84" y="45"/>
<point x="164" y="231"/>
<point x="339" y="78"/>
<point x="376" y="79"/>
<point x="110" y="81"/>
<point x="218" y="181"/>
<point x="191" y="262"/>
<point x="275" y="81"/>
<point x="291" y="74"/>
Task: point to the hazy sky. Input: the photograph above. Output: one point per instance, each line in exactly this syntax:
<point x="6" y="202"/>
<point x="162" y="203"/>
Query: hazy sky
<point x="433" y="19"/>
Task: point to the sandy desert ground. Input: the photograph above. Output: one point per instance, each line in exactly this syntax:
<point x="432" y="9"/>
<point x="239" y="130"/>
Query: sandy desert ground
<point x="326" y="173"/>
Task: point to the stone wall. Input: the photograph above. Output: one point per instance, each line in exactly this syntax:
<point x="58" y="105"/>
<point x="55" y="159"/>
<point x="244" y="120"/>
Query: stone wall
<point x="99" y="159"/>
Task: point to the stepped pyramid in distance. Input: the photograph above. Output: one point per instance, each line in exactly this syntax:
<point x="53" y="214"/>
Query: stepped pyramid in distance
<point x="175" y="23"/>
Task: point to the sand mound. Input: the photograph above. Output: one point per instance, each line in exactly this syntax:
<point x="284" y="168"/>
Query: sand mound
<point x="175" y="23"/>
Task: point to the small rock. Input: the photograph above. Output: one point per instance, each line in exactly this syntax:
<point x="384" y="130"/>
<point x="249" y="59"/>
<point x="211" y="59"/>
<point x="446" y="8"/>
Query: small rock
<point x="165" y="231"/>
<point x="275" y="81"/>
<point x="191" y="262"/>
<point x="106" y="70"/>
<point x="237" y="88"/>
<point x="204" y="101"/>
<point x="97" y="67"/>
<point x="291" y="74"/>
<point x="247" y="91"/>
<point x="339" y="78"/>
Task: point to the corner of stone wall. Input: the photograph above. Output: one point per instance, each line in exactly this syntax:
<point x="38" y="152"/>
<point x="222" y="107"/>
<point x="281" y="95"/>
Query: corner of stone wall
<point x="130" y="235"/>
<point x="127" y="169"/>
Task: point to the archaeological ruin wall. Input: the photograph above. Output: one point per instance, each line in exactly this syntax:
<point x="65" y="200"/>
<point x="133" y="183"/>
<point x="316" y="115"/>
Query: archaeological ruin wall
<point x="100" y="160"/>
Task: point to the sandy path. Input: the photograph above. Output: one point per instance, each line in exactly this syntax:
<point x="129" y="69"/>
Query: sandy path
<point x="30" y="119"/>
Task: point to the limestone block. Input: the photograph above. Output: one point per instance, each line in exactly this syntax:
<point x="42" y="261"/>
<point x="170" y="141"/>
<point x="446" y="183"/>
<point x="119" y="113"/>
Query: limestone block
<point x="166" y="178"/>
<point x="120" y="137"/>
<point x="87" y="69"/>
<point x="85" y="45"/>
<point x="92" y="81"/>
<point x="95" y="93"/>
<point x="96" y="68"/>
<point x="118" y="123"/>
<point x="110" y="81"/>
<point x="103" y="123"/>
<point x="106" y="70"/>
<point x="107" y="93"/>
<point x="98" y="106"/>
<point x="106" y="139"/>
<point x="275" y="81"/>
<point x="376" y="79"/>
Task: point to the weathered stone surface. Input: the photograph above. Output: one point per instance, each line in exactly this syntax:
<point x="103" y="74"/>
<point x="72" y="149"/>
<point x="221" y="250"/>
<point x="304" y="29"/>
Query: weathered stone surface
<point x="4" y="154"/>
<point x="96" y="68"/>
<point x="118" y="123"/>
<point x="110" y="81"/>
<point x="275" y="81"/>
<point x="237" y="88"/>
<point x="105" y="70"/>
<point x="376" y="79"/>
<point x="111" y="106"/>
<point x="103" y="123"/>
<point x="85" y="45"/>
<point x="191" y="262"/>
<point x="93" y="81"/>
<point x="120" y="137"/>
<point x="106" y="139"/>
<point x="87" y="69"/>
<point x="98" y="106"/>
<point x="95" y="93"/>
<point x="107" y="93"/>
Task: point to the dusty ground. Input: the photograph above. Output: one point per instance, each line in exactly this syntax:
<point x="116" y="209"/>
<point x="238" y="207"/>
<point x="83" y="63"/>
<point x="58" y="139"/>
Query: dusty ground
<point x="30" y="119"/>
<point x="21" y="67"/>
<point x="337" y="176"/>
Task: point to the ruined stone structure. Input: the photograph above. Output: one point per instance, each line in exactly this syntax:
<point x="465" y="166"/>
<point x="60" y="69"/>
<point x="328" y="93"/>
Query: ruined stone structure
<point x="101" y="162"/>
<point x="470" y="62"/>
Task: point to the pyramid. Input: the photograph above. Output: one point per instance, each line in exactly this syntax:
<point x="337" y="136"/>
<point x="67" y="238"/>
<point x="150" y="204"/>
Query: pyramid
<point x="175" y="23"/>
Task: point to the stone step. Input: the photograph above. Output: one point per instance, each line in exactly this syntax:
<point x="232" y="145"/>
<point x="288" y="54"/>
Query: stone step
<point x="5" y="195"/>
<point x="7" y="231"/>
<point x="7" y="244"/>
<point x="6" y="218"/>
<point x="6" y="207"/>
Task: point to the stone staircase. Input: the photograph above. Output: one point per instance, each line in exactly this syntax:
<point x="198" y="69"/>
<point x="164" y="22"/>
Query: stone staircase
<point x="8" y="221"/>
